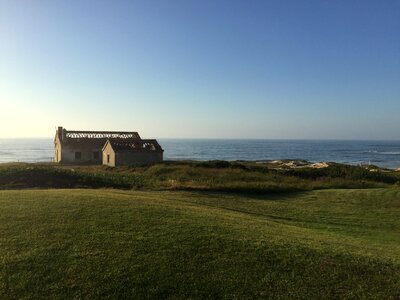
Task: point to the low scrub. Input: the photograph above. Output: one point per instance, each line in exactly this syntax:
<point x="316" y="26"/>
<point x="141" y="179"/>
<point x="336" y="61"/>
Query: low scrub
<point x="238" y="177"/>
<point x="345" y="172"/>
<point x="41" y="176"/>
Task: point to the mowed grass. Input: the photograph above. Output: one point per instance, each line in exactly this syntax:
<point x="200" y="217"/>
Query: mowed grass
<point x="77" y="243"/>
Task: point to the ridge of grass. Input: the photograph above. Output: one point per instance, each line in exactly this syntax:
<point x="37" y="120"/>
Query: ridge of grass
<point x="221" y="176"/>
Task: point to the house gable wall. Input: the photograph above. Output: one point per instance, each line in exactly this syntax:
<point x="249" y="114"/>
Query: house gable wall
<point x="108" y="150"/>
<point x="57" y="150"/>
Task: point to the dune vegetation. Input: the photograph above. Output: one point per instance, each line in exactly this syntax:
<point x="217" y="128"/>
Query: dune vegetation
<point x="222" y="176"/>
<point x="199" y="230"/>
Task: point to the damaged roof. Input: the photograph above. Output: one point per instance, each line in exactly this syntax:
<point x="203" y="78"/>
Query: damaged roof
<point x="75" y="134"/>
<point x="134" y="145"/>
<point x="119" y="140"/>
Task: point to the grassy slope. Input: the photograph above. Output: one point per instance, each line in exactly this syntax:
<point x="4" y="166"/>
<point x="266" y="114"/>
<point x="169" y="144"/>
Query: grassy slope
<point x="92" y="243"/>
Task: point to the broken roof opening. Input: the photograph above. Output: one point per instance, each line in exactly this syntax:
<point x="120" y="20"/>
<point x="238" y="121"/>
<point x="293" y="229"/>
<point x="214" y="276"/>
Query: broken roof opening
<point x="130" y="144"/>
<point x="74" y="134"/>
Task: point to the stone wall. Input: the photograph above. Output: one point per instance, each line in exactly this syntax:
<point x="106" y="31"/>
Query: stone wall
<point x="138" y="157"/>
<point x="109" y="153"/>
<point x="69" y="154"/>
<point x="57" y="150"/>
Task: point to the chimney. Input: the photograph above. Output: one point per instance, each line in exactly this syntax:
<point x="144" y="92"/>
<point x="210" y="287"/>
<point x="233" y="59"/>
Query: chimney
<point x="60" y="133"/>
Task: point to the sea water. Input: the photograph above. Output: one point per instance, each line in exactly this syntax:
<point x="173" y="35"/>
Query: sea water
<point x="381" y="153"/>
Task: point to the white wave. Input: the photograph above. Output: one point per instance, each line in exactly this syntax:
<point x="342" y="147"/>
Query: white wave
<point x="390" y="153"/>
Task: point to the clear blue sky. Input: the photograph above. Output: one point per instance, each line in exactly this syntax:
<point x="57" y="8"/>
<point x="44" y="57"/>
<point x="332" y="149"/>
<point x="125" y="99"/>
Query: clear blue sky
<point x="202" y="69"/>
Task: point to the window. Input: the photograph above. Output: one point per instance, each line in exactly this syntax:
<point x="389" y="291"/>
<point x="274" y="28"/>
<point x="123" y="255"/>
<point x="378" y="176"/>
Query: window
<point x="108" y="158"/>
<point x="78" y="155"/>
<point x="96" y="155"/>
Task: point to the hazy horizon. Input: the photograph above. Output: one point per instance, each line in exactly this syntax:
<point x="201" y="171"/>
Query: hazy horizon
<point x="303" y="70"/>
<point x="230" y="139"/>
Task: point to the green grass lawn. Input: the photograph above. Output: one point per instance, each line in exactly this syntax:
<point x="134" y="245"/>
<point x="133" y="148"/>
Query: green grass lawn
<point x="85" y="243"/>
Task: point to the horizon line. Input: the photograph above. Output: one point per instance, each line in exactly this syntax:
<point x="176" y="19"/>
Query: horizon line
<point x="231" y="138"/>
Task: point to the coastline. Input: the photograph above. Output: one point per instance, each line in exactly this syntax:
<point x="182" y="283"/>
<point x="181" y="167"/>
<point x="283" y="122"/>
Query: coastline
<point x="384" y="154"/>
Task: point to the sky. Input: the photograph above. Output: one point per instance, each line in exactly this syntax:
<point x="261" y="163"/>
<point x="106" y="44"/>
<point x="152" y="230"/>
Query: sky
<point x="274" y="69"/>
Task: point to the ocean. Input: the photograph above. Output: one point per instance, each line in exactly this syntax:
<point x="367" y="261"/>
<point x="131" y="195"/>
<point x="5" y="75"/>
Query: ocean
<point x="380" y="153"/>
